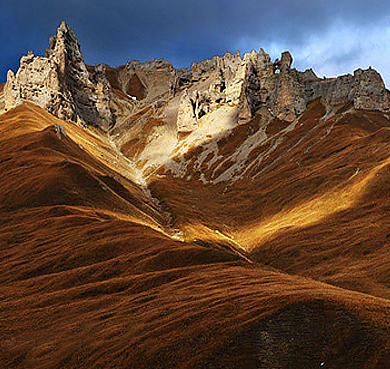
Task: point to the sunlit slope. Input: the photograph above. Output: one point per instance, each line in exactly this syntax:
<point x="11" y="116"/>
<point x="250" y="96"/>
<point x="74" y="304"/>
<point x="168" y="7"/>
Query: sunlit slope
<point x="320" y="208"/>
<point x="348" y="247"/>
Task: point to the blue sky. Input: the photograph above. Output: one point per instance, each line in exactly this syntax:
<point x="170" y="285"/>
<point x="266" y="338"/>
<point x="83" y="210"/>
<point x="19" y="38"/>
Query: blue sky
<point x="332" y="37"/>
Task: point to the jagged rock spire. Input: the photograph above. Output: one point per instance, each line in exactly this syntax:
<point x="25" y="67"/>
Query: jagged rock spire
<point x="60" y="83"/>
<point x="65" y="49"/>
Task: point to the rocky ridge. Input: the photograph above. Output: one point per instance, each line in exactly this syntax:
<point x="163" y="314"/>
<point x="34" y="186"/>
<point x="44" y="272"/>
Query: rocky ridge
<point x="61" y="83"/>
<point x="254" y="81"/>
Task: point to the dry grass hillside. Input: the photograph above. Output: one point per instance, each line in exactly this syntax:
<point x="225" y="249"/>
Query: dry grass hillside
<point x="284" y="270"/>
<point x="317" y="205"/>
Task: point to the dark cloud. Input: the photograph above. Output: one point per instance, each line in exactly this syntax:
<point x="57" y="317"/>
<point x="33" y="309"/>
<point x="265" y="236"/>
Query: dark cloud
<point x="178" y="30"/>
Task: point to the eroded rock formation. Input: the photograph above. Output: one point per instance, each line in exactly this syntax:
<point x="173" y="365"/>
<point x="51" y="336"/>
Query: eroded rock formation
<point x="186" y="118"/>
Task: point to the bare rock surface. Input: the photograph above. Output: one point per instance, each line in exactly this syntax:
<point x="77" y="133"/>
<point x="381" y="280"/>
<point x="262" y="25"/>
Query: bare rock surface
<point x="60" y="131"/>
<point x="186" y="119"/>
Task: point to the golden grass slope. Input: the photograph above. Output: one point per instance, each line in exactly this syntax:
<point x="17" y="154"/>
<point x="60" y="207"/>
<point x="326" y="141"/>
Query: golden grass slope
<point x="79" y="169"/>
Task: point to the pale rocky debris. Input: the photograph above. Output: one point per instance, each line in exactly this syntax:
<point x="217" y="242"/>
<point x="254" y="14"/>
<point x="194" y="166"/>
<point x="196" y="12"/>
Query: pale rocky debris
<point x="211" y="98"/>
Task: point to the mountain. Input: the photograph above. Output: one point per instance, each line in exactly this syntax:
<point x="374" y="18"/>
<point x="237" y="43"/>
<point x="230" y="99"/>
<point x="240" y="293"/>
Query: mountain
<point x="230" y="215"/>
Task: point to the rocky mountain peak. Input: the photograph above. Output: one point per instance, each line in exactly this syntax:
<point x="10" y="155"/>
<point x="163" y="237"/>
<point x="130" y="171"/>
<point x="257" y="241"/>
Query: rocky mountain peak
<point x="60" y="83"/>
<point x="65" y="49"/>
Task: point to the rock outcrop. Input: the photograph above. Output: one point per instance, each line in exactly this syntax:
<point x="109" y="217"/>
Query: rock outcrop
<point x="61" y="84"/>
<point x="254" y="81"/>
<point x="147" y="81"/>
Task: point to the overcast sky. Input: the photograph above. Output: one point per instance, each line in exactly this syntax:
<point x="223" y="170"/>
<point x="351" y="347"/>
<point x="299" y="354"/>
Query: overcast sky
<point x="333" y="37"/>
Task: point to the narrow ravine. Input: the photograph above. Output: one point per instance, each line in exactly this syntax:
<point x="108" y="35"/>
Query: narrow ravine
<point x="138" y="177"/>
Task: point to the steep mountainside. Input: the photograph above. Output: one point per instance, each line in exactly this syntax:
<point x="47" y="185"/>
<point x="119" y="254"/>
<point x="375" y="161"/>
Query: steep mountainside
<point x="231" y="215"/>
